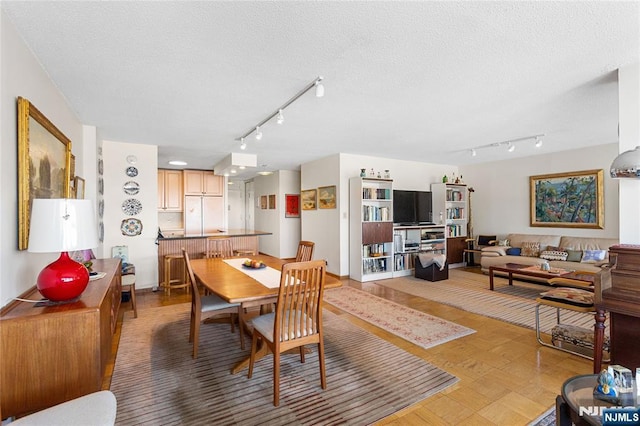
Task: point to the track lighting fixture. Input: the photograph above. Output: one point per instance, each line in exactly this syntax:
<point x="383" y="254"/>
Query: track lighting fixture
<point x="510" y="144"/>
<point x="316" y="83"/>
<point x="243" y="144"/>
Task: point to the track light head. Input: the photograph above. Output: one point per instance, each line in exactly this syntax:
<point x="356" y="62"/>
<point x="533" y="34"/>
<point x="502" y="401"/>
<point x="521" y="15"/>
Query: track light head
<point x="243" y="144"/>
<point x="473" y="152"/>
<point x="280" y="117"/>
<point x="319" y="88"/>
<point x="511" y="148"/>
<point x="258" y="133"/>
<point x="538" y="142"/>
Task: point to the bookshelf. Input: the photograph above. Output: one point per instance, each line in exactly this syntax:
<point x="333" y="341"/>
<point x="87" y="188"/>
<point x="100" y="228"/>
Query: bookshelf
<point x="370" y="229"/>
<point x="450" y="202"/>
<point x="408" y="241"/>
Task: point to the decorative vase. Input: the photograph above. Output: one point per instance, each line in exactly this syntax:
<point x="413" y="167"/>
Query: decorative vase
<point x="363" y="173"/>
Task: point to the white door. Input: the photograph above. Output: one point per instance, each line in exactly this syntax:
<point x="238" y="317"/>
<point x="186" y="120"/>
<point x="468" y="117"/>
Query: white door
<point x="249" y="205"/>
<point x="235" y="205"/>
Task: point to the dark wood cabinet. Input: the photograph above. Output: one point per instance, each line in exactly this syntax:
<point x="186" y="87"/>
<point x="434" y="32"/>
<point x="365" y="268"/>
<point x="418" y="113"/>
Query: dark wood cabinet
<point x="455" y="249"/>
<point x="377" y="232"/>
<point x="51" y="354"/>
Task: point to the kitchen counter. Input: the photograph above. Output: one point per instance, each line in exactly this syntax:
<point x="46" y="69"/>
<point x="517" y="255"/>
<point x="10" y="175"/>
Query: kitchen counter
<point x="196" y="246"/>
<point x="223" y="234"/>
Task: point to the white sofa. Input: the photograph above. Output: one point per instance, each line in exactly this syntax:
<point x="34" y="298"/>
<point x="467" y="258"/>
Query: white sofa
<point x="498" y="256"/>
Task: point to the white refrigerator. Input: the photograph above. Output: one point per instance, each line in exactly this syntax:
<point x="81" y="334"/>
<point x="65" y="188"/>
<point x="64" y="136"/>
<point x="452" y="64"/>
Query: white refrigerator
<point x="203" y="214"/>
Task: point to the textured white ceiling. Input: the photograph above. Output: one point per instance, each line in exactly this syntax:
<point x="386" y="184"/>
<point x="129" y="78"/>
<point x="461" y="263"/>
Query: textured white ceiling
<point x="422" y="81"/>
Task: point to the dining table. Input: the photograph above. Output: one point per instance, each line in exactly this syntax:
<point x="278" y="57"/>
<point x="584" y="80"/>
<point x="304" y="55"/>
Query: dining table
<point x="251" y="287"/>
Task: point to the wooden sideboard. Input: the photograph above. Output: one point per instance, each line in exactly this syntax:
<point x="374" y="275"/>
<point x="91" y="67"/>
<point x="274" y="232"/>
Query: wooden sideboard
<point x="617" y="291"/>
<point x="52" y="354"/>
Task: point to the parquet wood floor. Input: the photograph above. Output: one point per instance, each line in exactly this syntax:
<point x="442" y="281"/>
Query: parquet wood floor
<point x="506" y="377"/>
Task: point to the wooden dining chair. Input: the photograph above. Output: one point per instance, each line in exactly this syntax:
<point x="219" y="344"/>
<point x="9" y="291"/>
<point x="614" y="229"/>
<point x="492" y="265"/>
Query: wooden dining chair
<point x="219" y="247"/>
<point x="203" y="307"/>
<point x="297" y="320"/>
<point x="305" y="251"/>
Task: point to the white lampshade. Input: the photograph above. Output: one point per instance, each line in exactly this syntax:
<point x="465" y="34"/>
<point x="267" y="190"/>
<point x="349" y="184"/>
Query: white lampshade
<point x="62" y="224"/>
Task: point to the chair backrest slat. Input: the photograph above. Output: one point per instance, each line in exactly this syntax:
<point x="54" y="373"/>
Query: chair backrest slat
<point x="299" y="305"/>
<point x="195" y="294"/>
<point x="219" y="247"/>
<point x="305" y="251"/>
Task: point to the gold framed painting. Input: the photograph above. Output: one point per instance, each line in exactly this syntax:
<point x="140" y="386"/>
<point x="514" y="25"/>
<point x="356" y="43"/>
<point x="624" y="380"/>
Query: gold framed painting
<point x="44" y="164"/>
<point x="308" y="199"/>
<point x="327" y="197"/>
<point x="568" y="200"/>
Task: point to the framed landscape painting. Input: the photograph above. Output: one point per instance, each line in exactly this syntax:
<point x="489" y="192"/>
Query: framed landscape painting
<point x="44" y="164"/>
<point x="309" y="199"/>
<point x="568" y="200"/>
<point x="327" y="197"/>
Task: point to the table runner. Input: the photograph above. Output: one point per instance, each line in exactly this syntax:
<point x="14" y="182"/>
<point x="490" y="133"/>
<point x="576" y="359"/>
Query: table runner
<point x="268" y="277"/>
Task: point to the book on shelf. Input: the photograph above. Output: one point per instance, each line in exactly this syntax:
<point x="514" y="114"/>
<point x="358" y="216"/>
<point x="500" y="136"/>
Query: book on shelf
<point x="376" y="194"/>
<point x="375" y="214"/>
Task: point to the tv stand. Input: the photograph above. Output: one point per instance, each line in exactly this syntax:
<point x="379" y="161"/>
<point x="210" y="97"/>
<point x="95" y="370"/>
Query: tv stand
<point x="431" y="239"/>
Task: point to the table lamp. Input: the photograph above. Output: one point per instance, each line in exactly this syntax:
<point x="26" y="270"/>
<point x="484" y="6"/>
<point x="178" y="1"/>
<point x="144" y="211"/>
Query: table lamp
<point x="62" y="225"/>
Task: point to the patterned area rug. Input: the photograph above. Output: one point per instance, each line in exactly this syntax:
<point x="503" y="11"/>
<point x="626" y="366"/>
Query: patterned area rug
<point x="417" y="327"/>
<point x="156" y="381"/>
<point x="470" y="292"/>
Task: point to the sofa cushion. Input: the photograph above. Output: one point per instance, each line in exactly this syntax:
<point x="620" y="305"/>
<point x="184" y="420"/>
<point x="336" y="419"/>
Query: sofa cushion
<point x="574" y="255"/>
<point x="516" y="240"/>
<point x="513" y="251"/>
<point x="571" y="296"/>
<point x="554" y="255"/>
<point x="530" y="249"/>
<point x="593" y="256"/>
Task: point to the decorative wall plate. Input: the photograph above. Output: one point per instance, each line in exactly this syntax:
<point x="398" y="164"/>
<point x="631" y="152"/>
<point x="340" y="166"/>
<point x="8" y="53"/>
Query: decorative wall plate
<point x="101" y="231"/>
<point x="100" y="186"/>
<point x="132" y="171"/>
<point x="101" y="209"/>
<point x="131" y="206"/>
<point x="100" y="167"/>
<point x="132" y="159"/>
<point x="131" y="227"/>
<point x="131" y="188"/>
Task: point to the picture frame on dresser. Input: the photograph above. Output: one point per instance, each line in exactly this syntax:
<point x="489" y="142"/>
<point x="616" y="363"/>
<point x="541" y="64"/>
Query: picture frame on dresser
<point x="568" y="200"/>
<point x="42" y="147"/>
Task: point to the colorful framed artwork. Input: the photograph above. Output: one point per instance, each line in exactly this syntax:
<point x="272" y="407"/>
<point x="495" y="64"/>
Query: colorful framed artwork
<point x="568" y="200"/>
<point x="272" y="201"/>
<point x="327" y="197"/>
<point x="44" y="164"/>
<point x="309" y="199"/>
<point x="263" y="202"/>
<point x="292" y="205"/>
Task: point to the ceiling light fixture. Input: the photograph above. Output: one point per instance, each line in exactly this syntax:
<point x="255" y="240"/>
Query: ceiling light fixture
<point x="626" y="165"/>
<point x="278" y="112"/>
<point x="178" y="163"/>
<point x="233" y="161"/>
<point x="510" y="144"/>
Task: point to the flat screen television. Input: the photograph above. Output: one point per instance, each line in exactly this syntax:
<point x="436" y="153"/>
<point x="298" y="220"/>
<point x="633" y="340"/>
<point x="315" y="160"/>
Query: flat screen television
<point x="412" y="207"/>
<point x="404" y="207"/>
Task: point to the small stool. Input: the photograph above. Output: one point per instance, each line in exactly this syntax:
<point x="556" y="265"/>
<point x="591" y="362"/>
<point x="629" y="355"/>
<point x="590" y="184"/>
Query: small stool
<point x="129" y="285"/>
<point x="168" y="283"/>
<point x="571" y="299"/>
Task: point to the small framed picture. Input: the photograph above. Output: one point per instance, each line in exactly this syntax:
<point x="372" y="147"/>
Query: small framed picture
<point x="327" y="197"/>
<point x="292" y="205"/>
<point x="263" y="202"/>
<point x="272" y="201"/>
<point x="309" y="199"/>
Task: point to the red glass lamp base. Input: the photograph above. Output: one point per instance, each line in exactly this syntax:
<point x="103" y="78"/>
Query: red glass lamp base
<point x="64" y="279"/>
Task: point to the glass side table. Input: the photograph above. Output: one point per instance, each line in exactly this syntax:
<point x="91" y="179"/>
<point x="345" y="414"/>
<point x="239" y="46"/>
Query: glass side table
<point x="577" y="404"/>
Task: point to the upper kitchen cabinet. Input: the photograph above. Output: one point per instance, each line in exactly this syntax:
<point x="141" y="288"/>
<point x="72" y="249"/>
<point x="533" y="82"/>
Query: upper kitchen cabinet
<point x="202" y="182"/>
<point x="170" y="194"/>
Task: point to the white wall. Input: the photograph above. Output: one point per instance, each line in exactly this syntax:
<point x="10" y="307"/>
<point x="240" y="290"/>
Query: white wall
<point x="629" y="113"/>
<point x="22" y="75"/>
<point x="235" y="206"/>
<point x="501" y="200"/>
<point x="143" y="251"/>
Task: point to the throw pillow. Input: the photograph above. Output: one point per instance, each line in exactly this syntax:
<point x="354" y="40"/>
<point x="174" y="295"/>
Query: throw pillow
<point x="513" y="251"/>
<point x="530" y="249"/>
<point x="574" y="255"/>
<point x="503" y="243"/>
<point x="593" y="256"/>
<point x="571" y="296"/>
<point x="486" y="240"/>
<point x="554" y="248"/>
<point x="554" y="255"/>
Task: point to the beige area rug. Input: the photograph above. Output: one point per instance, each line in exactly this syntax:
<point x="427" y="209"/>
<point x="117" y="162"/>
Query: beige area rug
<point x="414" y="326"/>
<point x="157" y="382"/>
<point x="470" y="292"/>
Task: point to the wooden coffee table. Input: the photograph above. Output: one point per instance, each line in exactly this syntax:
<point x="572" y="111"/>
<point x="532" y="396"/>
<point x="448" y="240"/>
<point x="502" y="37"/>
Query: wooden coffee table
<point x="555" y="277"/>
